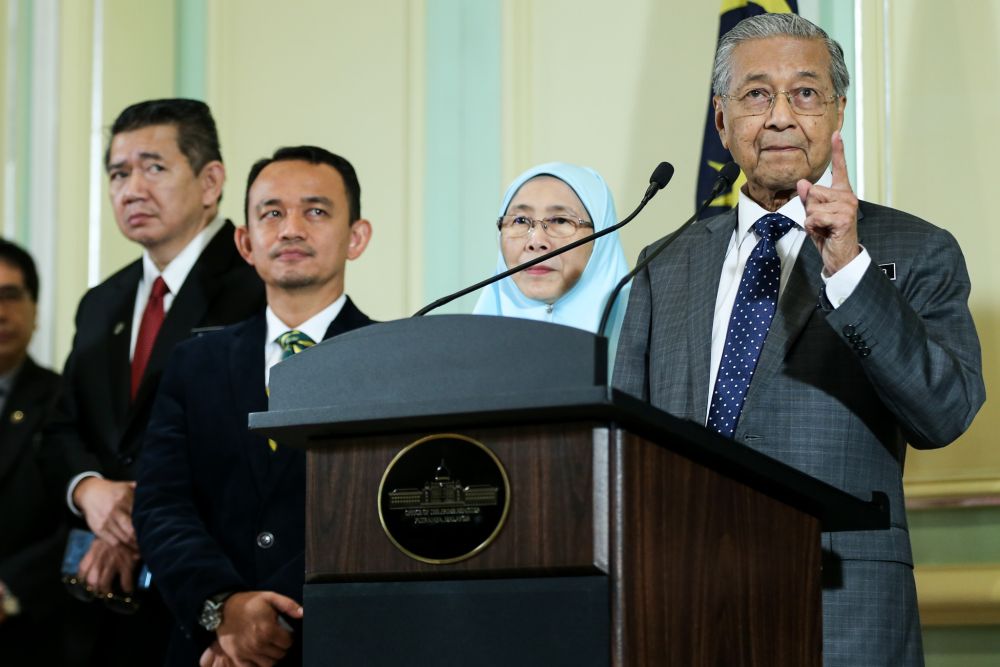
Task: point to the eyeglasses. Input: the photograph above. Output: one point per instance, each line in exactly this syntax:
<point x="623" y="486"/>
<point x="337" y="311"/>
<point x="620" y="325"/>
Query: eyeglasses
<point x="556" y="226"/>
<point x="804" y="101"/>
<point x="12" y="293"/>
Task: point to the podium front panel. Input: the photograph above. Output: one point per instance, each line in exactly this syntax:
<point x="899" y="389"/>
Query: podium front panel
<point x="549" y="529"/>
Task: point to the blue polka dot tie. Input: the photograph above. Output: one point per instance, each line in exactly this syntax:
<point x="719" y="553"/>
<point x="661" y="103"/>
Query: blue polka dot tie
<point x="753" y="311"/>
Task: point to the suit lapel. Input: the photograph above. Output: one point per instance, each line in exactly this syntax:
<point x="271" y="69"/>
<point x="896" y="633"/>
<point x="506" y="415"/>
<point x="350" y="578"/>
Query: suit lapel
<point x="246" y="373"/>
<point x="705" y="259"/>
<point x="119" y="339"/>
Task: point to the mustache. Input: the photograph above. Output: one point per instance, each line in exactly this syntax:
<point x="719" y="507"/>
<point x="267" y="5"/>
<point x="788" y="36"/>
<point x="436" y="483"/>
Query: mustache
<point x="298" y="247"/>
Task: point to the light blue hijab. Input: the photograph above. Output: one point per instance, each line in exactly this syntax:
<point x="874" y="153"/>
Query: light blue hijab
<point x="582" y="305"/>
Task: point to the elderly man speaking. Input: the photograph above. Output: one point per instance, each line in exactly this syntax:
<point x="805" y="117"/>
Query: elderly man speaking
<point x="821" y="330"/>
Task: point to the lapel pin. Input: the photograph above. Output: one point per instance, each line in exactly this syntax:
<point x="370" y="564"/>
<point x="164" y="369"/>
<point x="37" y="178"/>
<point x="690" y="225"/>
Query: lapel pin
<point x="889" y="270"/>
<point x="119" y="327"/>
<point x="16" y="417"/>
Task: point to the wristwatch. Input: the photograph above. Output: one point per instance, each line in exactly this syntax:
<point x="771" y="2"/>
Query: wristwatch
<point x="211" y="611"/>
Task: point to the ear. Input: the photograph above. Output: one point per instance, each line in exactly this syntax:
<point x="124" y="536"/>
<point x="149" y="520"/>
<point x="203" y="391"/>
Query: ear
<point x="212" y="178"/>
<point x="361" y="234"/>
<point x="241" y="236"/>
<point x="720" y="120"/>
<point x="841" y="105"/>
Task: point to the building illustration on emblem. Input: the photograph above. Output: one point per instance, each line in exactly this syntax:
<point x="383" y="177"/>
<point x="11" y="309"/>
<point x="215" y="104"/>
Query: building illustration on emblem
<point x="444" y="492"/>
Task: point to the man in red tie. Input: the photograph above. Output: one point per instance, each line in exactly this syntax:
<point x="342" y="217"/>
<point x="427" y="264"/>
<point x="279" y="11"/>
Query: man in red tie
<point x="165" y="175"/>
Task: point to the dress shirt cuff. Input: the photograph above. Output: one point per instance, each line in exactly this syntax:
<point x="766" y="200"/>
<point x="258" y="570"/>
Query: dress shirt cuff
<point x="72" y="487"/>
<point x="840" y="285"/>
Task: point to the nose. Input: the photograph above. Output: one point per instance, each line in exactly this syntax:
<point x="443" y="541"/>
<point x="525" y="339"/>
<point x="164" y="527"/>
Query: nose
<point x="134" y="187"/>
<point x="781" y="115"/>
<point x="293" y="226"/>
<point x="538" y="239"/>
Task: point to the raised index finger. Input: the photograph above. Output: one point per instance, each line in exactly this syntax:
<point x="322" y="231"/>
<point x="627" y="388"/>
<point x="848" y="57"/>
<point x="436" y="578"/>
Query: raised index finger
<point x="840" y="180"/>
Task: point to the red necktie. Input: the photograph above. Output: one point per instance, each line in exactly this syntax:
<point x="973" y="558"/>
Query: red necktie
<point x="152" y="318"/>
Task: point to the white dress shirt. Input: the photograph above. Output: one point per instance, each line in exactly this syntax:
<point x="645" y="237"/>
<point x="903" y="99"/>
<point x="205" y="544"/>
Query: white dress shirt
<point x="838" y="287"/>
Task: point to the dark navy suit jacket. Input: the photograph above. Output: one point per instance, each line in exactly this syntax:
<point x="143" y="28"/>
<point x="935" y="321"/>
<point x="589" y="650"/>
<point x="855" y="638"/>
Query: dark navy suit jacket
<point x="215" y="509"/>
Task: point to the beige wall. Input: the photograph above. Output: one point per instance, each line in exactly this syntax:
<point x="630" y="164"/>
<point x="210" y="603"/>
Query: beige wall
<point x="616" y="86"/>
<point x="336" y="75"/>
<point x="942" y="150"/>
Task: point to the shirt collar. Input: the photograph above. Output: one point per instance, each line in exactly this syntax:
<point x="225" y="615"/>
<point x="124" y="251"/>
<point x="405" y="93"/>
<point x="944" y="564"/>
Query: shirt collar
<point x="315" y="327"/>
<point x="749" y="211"/>
<point x="175" y="273"/>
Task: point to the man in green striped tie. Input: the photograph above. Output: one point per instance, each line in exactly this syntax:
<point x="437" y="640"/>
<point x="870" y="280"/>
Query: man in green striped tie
<point x="220" y="511"/>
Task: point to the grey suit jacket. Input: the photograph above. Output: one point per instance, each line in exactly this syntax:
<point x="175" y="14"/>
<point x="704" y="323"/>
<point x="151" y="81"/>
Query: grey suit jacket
<point x="818" y="401"/>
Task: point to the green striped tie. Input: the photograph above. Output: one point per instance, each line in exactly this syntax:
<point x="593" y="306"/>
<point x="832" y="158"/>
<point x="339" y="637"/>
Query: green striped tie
<point x="293" y="342"/>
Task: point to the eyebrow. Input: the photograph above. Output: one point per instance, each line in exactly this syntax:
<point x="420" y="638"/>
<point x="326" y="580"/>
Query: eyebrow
<point x="766" y="78"/>
<point x="558" y="208"/>
<point x="142" y="156"/>
<point x="312" y="199"/>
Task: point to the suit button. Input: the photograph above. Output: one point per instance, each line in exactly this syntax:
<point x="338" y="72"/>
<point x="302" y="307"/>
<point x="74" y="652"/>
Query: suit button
<point x="866" y="352"/>
<point x="860" y="345"/>
<point x="265" y="540"/>
<point x="849" y="330"/>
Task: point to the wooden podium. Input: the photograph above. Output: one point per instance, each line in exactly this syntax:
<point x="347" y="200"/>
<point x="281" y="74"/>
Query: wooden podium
<point x="631" y="537"/>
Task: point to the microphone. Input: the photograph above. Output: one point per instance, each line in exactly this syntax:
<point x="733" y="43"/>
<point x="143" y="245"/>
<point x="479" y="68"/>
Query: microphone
<point x="661" y="176"/>
<point x="727" y="176"/>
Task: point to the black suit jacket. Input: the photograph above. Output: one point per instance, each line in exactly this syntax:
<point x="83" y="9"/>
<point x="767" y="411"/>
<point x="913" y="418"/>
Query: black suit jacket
<point x="215" y="509"/>
<point x="32" y="525"/>
<point x="95" y="426"/>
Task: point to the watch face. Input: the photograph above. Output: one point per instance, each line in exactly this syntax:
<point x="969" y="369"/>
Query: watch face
<point x="211" y="616"/>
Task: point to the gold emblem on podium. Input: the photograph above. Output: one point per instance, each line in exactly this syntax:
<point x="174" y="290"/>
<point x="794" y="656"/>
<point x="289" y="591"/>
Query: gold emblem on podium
<point x="443" y="498"/>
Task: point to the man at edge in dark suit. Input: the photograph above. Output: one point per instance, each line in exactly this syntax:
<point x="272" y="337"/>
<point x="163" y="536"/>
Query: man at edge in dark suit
<point x="165" y="177"/>
<point x="220" y="511"/>
<point x="36" y="615"/>
<point x="821" y="330"/>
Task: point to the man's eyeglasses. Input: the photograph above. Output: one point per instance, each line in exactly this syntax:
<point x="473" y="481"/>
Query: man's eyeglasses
<point x="804" y="101"/>
<point x="12" y="293"/>
<point x="556" y="226"/>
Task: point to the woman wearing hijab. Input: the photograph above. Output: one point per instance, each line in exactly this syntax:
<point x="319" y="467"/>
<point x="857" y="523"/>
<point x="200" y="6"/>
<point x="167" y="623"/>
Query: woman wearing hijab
<point x="545" y="208"/>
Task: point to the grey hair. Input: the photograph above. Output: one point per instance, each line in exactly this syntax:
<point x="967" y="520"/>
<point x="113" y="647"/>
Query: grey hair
<point x="775" y="25"/>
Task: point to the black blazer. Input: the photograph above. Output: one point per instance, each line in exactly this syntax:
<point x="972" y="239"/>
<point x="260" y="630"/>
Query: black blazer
<point x="215" y="509"/>
<point x="32" y="526"/>
<point x="95" y="426"/>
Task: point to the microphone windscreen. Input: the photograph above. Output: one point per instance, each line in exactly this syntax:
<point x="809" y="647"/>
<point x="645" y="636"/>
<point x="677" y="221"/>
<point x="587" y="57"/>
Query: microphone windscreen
<point x="729" y="172"/>
<point x="662" y="175"/>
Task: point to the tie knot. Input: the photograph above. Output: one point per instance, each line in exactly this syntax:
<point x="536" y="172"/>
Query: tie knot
<point x="773" y="226"/>
<point x="160" y="288"/>
<point x="293" y="342"/>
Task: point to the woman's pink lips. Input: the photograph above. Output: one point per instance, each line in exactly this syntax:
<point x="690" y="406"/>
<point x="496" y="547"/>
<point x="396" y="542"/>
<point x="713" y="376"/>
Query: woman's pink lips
<point x="539" y="270"/>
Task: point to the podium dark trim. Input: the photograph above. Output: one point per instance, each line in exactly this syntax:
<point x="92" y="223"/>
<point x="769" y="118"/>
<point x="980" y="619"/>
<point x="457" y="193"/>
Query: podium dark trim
<point x="633" y="537"/>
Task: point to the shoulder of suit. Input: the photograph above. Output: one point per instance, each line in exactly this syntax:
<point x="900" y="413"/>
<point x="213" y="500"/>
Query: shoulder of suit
<point x="128" y="276"/>
<point x="352" y="316"/>
<point x="220" y="337"/>
<point x="870" y="212"/>
<point x="41" y="381"/>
